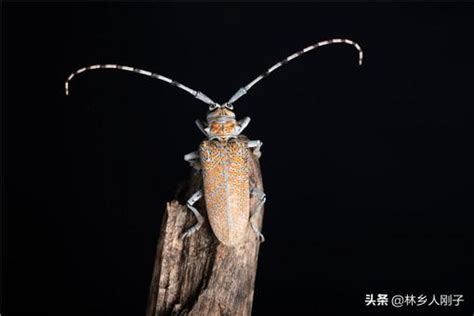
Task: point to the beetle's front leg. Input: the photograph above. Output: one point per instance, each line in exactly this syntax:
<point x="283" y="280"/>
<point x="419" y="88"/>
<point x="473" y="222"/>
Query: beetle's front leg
<point x="202" y="128"/>
<point x="193" y="159"/>
<point x="258" y="209"/>
<point x="242" y="124"/>
<point x="256" y="144"/>
<point x="193" y="199"/>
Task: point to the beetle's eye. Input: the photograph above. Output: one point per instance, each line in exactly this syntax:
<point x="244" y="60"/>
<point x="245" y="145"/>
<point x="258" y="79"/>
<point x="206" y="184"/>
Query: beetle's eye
<point x="213" y="106"/>
<point x="229" y="106"/>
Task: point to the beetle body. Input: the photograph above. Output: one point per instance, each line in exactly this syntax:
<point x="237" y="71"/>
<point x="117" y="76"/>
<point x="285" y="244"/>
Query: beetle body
<point x="223" y="158"/>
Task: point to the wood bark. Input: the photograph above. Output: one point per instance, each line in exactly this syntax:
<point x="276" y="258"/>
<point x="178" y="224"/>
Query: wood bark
<point x="199" y="275"/>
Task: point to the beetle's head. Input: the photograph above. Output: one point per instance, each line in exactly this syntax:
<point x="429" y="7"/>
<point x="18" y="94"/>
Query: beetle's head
<point x="221" y="122"/>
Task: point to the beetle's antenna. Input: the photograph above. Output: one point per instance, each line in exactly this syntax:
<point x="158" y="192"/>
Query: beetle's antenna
<point x="197" y="94"/>
<point x="244" y="90"/>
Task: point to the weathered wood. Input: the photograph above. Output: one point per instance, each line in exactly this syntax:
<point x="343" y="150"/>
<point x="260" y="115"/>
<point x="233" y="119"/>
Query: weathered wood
<point x="198" y="275"/>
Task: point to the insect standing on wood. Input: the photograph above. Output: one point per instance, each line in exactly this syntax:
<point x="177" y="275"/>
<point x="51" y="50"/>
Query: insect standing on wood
<point x="223" y="157"/>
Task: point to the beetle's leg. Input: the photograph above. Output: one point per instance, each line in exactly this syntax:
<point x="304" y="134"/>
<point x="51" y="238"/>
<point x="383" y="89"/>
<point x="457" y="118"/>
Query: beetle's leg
<point x="193" y="159"/>
<point x="201" y="127"/>
<point x="193" y="199"/>
<point x="258" y="209"/>
<point x="255" y="144"/>
<point x="242" y="124"/>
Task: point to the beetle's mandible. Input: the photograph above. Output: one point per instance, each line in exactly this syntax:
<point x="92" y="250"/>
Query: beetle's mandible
<point x="223" y="157"/>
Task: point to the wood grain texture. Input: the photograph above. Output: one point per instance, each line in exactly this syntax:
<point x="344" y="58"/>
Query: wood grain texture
<point x="199" y="275"/>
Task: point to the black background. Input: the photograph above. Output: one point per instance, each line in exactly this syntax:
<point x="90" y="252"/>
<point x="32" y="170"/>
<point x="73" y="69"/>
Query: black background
<point x="368" y="170"/>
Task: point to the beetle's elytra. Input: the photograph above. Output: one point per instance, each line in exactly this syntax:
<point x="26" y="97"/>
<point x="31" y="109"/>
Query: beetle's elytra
<point x="225" y="171"/>
<point x="223" y="158"/>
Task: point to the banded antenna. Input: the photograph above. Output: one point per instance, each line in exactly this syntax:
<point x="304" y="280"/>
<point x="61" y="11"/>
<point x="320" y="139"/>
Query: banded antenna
<point x="246" y="88"/>
<point x="197" y="94"/>
<point x="201" y="96"/>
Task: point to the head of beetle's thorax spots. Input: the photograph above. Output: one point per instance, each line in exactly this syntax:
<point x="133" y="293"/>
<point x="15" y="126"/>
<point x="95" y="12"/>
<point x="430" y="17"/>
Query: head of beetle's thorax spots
<point x="221" y="123"/>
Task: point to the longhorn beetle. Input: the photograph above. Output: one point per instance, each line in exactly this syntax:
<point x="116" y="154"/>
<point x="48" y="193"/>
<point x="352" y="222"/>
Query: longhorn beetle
<point x="223" y="157"/>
